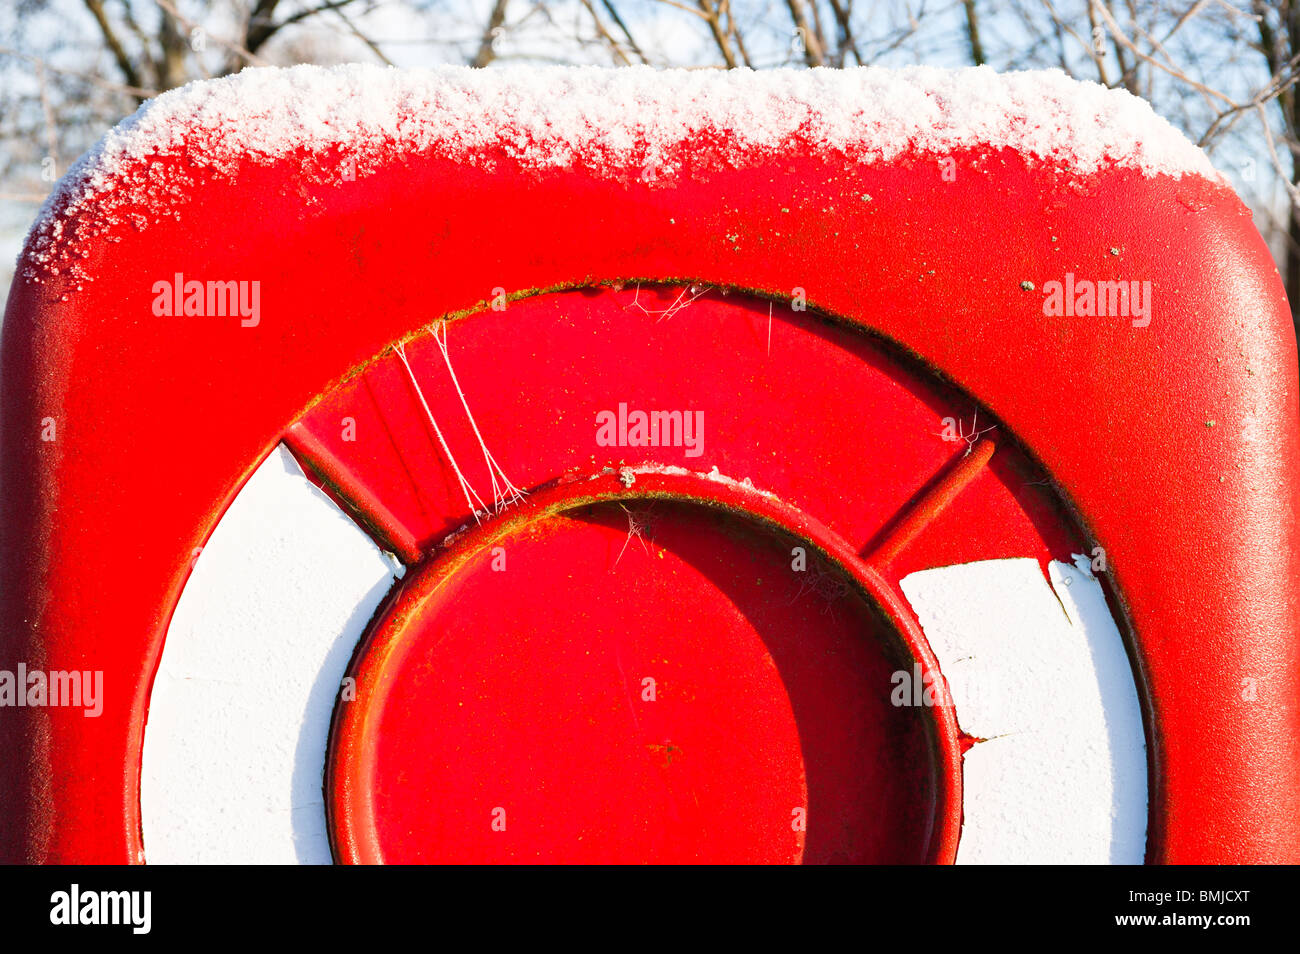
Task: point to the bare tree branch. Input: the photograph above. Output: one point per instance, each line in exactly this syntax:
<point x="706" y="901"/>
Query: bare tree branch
<point x="627" y="34"/>
<point x="812" y="48"/>
<point x="139" y="93"/>
<point x="720" y="37"/>
<point x="261" y="25"/>
<point x="337" y="10"/>
<point x="735" y="34"/>
<point x="124" y="64"/>
<point x="47" y="113"/>
<point x="604" y="34"/>
<point x="241" y="52"/>
<point x="486" y="47"/>
<point x="973" y="33"/>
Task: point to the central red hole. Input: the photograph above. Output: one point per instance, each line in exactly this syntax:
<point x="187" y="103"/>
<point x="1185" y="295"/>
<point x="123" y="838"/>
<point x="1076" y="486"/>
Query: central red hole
<point x="646" y="682"/>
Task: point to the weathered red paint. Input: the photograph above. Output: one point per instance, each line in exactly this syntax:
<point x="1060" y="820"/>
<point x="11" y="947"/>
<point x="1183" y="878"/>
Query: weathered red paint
<point x="161" y="419"/>
<point x="768" y="699"/>
<point x="756" y="377"/>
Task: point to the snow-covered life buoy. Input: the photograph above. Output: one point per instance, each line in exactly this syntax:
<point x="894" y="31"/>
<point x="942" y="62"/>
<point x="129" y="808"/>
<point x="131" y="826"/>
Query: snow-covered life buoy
<point x="587" y="465"/>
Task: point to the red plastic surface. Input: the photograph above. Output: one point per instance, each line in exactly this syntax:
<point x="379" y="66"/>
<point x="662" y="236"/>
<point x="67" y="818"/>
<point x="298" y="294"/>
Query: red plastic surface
<point x="161" y="419"/>
<point x="768" y="733"/>
<point x="754" y="377"/>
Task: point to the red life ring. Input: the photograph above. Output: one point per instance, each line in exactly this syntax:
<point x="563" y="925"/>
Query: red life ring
<point x="929" y="296"/>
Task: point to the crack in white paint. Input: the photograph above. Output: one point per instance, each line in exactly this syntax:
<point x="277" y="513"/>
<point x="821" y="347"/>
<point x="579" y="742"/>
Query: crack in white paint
<point x="1062" y="777"/>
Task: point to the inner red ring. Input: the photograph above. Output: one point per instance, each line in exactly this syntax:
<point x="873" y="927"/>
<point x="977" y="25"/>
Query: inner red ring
<point x="400" y="732"/>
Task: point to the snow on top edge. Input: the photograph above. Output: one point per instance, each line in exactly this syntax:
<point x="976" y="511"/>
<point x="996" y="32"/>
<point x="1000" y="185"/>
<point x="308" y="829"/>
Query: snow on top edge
<point x="608" y="120"/>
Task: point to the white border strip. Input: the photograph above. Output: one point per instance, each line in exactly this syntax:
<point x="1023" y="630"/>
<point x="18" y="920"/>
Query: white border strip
<point x="234" y="749"/>
<point x="1039" y="670"/>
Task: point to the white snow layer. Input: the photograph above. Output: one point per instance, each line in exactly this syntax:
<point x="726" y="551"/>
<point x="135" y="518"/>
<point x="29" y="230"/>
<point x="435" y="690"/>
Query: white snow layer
<point x="631" y="121"/>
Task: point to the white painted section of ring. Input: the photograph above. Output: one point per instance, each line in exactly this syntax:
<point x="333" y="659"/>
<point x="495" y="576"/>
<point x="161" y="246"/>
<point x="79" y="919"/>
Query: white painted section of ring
<point x="1039" y="670"/>
<point x="234" y="749"/>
